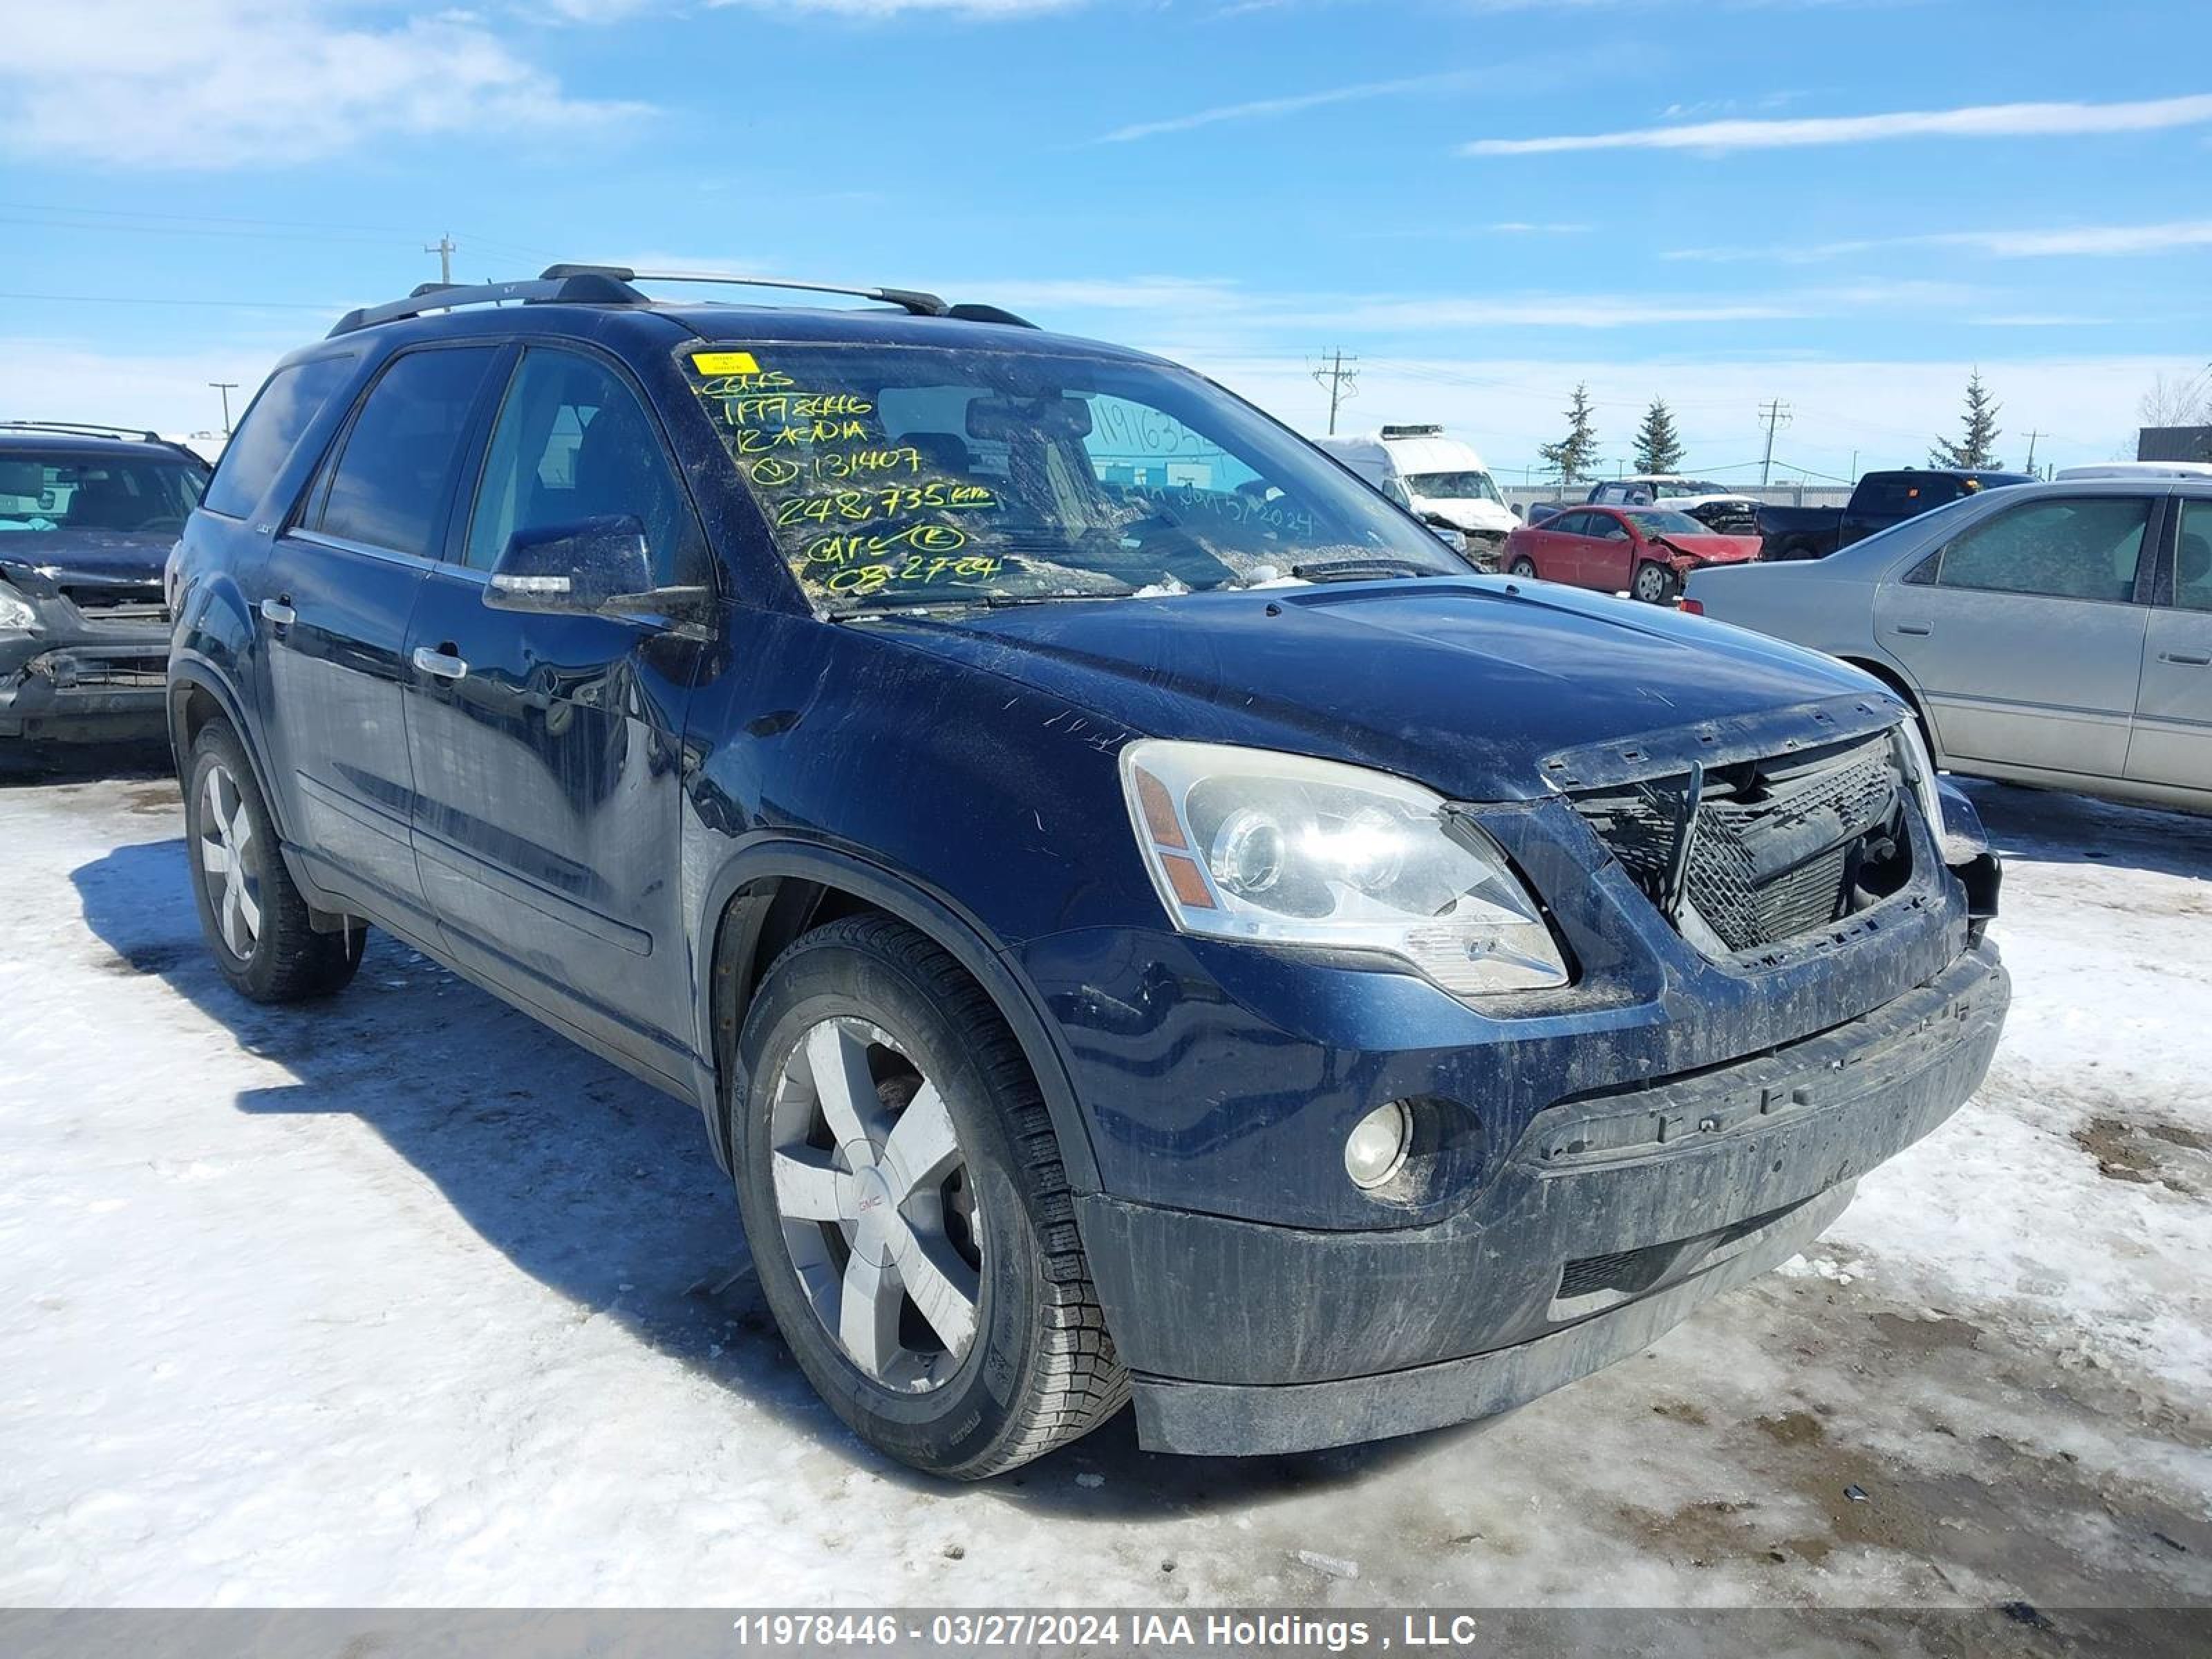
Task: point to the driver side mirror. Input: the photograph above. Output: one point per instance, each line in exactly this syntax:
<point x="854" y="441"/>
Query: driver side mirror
<point x="585" y="568"/>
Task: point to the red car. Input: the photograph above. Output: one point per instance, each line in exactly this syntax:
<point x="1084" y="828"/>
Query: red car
<point x="1642" y="551"/>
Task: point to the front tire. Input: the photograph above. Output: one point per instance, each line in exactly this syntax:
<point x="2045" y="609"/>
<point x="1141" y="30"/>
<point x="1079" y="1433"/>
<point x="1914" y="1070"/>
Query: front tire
<point x="258" y="926"/>
<point x="1655" y="584"/>
<point x="907" y="1209"/>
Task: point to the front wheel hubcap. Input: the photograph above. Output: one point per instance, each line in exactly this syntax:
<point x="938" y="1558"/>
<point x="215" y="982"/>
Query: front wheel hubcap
<point x="230" y="861"/>
<point x="876" y="1205"/>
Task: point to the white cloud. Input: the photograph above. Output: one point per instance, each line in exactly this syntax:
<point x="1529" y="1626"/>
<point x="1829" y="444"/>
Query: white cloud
<point x="1262" y="107"/>
<point x="1524" y="227"/>
<point x="1983" y="121"/>
<point x="222" y="84"/>
<point x="2088" y="241"/>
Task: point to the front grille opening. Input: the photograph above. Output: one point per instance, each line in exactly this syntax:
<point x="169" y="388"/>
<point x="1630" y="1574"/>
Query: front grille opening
<point x="1749" y="855"/>
<point x="1617" y="1272"/>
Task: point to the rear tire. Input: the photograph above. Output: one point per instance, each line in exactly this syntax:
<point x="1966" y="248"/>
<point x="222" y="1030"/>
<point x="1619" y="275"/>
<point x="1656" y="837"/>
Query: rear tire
<point x="907" y="1209"/>
<point x="1525" y="567"/>
<point x="257" y="927"/>
<point x="1655" y="584"/>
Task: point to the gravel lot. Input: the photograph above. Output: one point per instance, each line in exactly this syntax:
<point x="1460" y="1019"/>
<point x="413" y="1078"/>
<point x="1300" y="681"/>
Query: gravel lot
<point x="403" y="1300"/>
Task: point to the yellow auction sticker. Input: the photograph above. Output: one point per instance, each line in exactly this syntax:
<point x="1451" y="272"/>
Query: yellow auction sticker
<point x="725" y="362"/>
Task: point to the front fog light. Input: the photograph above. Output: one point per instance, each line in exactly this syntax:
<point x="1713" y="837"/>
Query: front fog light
<point x="1375" y="1149"/>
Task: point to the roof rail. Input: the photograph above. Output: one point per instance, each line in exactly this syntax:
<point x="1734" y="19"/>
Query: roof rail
<point x="576" y="284"/>
<point x="907" y="299"/>
<point x="85" y="429"/>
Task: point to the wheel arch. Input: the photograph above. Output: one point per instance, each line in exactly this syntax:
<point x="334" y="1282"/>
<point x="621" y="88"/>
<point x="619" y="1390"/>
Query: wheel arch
<point x="198" y="695"/>
<point x="774" y="891"/>
<point x="1912" y="698"/>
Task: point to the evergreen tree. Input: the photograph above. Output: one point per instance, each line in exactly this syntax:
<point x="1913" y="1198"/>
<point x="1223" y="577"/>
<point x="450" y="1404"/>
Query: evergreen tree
<point x="1977" y="448"/>
<point x="1574" y="456"/>
<point x="1658" y="446"/>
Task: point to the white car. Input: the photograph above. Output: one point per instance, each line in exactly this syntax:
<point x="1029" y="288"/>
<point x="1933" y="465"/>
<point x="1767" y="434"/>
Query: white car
<point x="1729" y="511"/>
<point x="2056" y="634"/>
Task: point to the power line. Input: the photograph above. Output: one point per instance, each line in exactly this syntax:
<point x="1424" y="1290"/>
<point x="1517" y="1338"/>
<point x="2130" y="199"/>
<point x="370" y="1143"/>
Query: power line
<point x="1775" y="414"/>
<point x="1343" y="383"/>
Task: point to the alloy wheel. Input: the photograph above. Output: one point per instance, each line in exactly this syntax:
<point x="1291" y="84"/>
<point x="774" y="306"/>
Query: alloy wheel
<point x="230" y="860"/>
<point x="876" y="1205"/>
<point x="1651" y="584"/>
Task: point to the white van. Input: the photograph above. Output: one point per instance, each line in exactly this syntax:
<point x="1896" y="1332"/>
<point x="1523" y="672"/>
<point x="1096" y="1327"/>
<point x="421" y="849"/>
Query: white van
<point x="1443" y="478"/>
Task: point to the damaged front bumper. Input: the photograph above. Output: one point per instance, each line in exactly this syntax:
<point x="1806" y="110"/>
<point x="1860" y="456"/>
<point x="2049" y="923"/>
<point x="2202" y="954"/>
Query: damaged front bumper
<point x="84" y="677"/>
<point x="1611" y="1217"/>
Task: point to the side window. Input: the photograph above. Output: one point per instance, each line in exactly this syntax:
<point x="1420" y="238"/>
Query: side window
<point x="272" y="427"/>
<point x="573" y="443"/>
<point x="1610" y="493"/>
<point x="390" y="483"/>
<point x="1608" y="528"/>
<point x="1571" y="523"/>
<point x="2083" y="549"/>
<point x="2192" y="572"/>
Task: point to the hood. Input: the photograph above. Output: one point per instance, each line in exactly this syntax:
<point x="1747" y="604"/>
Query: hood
<point x="1468" y="512"/>
<point x="1713" y="549"/>
<point x="75" y="557"/>
<point x="1465" y="684"/>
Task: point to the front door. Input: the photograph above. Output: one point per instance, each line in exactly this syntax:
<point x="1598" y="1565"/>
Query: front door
<point x="2024" y="634"/>
<point x="545" y="747"/>
<point x="2172" y="743"/>
<point x="338" y="593"/>
<point x="1609" y="555"/>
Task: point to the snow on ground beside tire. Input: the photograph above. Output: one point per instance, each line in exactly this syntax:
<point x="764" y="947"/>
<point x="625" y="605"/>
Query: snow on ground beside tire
<point x="402" y="1299"/>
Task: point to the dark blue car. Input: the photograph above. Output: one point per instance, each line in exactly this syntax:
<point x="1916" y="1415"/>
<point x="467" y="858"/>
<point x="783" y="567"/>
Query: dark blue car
<point x="1136" y="914"/>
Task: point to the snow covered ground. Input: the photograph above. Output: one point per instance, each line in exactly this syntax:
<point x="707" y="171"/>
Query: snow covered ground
<point x="405" y="1300"/>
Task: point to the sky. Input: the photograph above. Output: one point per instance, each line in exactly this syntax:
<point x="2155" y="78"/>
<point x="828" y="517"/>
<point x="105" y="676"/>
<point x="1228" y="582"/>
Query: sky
<point x="1845" y="206"/>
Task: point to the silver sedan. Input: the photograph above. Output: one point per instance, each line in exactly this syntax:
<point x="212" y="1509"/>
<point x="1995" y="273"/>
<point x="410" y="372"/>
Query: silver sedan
<point x="2059" y="634"/>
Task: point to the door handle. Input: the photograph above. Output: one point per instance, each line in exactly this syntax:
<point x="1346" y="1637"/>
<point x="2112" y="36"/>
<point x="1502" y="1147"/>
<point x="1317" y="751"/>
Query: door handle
<point x="2187" y="658"/>
<point x="1918" y="629"/>
<point x="277" y="613"/>
<point x="443" y="664"/>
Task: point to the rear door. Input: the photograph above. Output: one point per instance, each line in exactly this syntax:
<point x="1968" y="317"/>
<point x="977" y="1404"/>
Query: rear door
<point x="546" y="748"/>
<point x="2172" y="742"/>
<point x="336" y="595"/>
<point x="2025" y="635"/>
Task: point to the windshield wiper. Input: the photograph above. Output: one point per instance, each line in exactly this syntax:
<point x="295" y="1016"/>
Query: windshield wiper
<point x="1359" y="569"/>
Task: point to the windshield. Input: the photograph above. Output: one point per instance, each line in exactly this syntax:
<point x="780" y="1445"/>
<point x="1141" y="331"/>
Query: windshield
<point x="909" y="475"/>
<point x="1654" y="521"/>
<point x="1452" y="486"/>
<point x="1673" y="489"/>
<point x="64" y="489"/>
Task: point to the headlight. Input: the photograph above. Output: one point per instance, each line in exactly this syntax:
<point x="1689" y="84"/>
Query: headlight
<point x="16" y="617"/>
<point x="1247" y="844"/>
<point x="1912" y="755"/>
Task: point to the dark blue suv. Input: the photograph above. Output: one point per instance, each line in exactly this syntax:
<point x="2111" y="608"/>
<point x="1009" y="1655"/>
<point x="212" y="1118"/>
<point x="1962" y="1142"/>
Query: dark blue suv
<point x="1134" y="912"/>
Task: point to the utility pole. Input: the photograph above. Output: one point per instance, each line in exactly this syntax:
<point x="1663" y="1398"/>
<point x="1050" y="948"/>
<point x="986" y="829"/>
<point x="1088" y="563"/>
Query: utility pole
<point x="1775" y="414"/>
<point x="226" y="387"/>
<point x="2032" y="437"/>
<point x="1342" y="382"/>
<point x="445" y="249"/>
